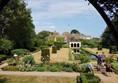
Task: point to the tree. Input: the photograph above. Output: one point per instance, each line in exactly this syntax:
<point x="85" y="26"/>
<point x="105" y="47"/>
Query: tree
<point x="16" y="24"/>
<point x="74" y="31"/>
<point x="59" y="39"/>
<point x="42" y="38"/>
<point x="106" y="9"/>
<point x="43" y="35"/>
<point x="5" y="45"/>
<point x="107" y="37"/>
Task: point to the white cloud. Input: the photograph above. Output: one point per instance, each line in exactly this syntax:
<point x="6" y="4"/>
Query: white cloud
<point x="43" y="10"/>
<point x="46" y="9"/>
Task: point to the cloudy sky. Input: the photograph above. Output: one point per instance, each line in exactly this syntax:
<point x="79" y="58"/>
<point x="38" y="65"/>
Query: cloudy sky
<point x="65" y="15"/>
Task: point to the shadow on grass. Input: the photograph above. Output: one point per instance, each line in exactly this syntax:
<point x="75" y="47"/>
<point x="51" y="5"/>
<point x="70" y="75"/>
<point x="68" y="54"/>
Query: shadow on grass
<point x="3" y="80"/>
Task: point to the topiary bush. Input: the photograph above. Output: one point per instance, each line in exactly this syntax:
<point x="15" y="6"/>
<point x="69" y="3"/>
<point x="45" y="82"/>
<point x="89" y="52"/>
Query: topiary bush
<point x="20" y="51"/>
<point x="54" y="49"/>
<point x="99" y="47"/>
<point x="113" y="50"/>
<point x="45" y="55"/>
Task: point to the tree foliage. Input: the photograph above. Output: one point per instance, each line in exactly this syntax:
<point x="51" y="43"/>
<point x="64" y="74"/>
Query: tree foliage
<point x="109" y="6"/>
<point x="16" y="24"/>
<point x="74" y="31"/>
<point x="107" y="37"/>
<point x="5" y="45"/>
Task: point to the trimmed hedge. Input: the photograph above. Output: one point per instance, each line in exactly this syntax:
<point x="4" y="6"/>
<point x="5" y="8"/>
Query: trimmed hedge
<point x="87" y="78"/>
<point x="45" y="55"/>
<point x="20" y="51"/>
<point x="54" y="49"/>
<point x="83" y="78"/>
<point x="113" y="50"/>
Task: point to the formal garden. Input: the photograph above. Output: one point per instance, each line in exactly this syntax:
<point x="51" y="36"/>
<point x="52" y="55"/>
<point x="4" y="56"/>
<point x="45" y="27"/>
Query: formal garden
<point x="25" y="62"/>
<point x="22" y="50"/>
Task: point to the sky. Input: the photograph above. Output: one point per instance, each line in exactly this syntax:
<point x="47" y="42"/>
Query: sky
<point x="65" y="15"/>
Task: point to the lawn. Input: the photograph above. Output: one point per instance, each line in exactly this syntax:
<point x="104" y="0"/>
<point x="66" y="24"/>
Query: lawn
<point x="35" y="79"/>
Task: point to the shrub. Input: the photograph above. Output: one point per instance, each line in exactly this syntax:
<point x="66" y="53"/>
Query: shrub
<point x="11" y="68"/>
<point x="65" y="46"/>
<point x="80" y="67"/>
<point x="109" y="59"/>
<point x="40" y="69"/>
<point x="58" y="47"/>
<point x="29" y="60"/>
<point x="115" y="67"/>
<point x="99" y="47"/>
<point x="53" y="69"/>
<point x="83" y="78"/>
<point x="82" y="58"/>
<point x="95" y="79"/>
<point x="89" y="75"/>
<point x="26" y="67"/>
<point x="45" y="55"/>
<point x="54" y="49"/>
<point x="78" y="79"/>
<point x="68" y="69"/>
<point x="20" y="51"/>
<point x="12" y="62"/>
<point x="113" y="50"/>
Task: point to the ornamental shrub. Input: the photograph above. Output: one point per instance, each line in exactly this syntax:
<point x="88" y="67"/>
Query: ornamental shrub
<point x="45" y="55"/>
<point x="54" y="49"/>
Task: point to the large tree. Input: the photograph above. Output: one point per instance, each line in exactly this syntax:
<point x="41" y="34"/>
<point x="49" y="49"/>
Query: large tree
<point x="107" y="8"/>
<point x="16" y="24"/>
<point x="107" y="36"/>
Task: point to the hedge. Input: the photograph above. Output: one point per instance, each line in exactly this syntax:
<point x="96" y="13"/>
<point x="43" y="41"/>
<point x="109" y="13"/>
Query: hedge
<point x="45" y="55"/>
<point x="54" y="49"/>
<point x="20" y="51"/>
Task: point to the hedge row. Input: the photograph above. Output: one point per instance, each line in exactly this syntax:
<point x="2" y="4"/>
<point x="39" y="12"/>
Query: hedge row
<point x="87" y="78"/>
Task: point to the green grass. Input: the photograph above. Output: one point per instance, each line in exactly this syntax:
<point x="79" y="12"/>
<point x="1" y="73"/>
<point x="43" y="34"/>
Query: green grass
<point x="35" y="79"/>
